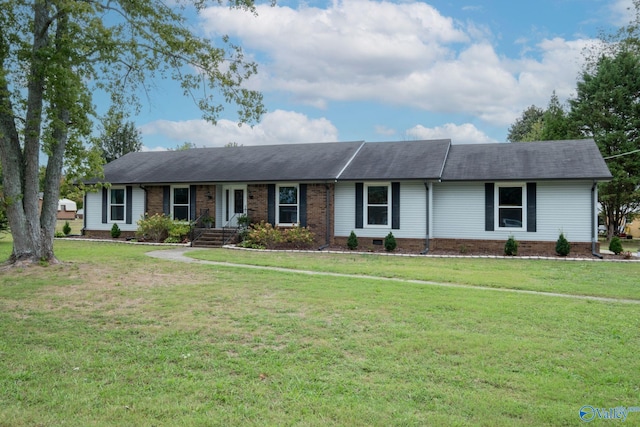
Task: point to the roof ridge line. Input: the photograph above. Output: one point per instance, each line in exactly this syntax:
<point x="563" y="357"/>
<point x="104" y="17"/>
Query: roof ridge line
<point x="350" y="160"/>
<point x="444" y="162"/>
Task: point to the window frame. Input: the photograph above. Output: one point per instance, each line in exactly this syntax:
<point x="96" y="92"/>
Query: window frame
<point x="522" y="207"/>
<point x="123" y="204"/>
<point x="278" y="205"/>
<point x="173" y="204"/>
<point x="366" y="205"/>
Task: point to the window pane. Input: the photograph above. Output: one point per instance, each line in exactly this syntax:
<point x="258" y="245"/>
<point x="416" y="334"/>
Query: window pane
<point x="117" y="196"/>
<point x="510" y="217"/>
<point x="288" y="214"/>
<point x="288" y="195"/>
<point x="181" y="196"/>
<point x="377" y="215"/>
<point x="117" y="213"/>
<point x="510" y="196"/>
<point x="181" y="212"/>
<point x="238" y="201"/>
<point x="377" y="195"/>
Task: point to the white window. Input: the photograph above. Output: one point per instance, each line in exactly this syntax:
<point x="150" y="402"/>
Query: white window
<point x="510" y="206"/>
<point x="287" y="205"/>
<point x="180" y="203"/>
<point x="117" y="204"/>
<point x="377" y="204"/>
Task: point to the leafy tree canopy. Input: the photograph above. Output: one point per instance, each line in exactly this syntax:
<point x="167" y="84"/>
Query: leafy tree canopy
<point x="54" y="54"/>
<point x="607" y="108"/>
<point x="118" y="137"/>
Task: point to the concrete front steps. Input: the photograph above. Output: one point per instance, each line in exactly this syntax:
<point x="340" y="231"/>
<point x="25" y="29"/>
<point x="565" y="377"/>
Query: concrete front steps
<point x="213" y="237"/>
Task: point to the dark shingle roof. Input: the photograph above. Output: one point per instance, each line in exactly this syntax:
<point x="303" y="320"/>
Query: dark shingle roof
<point x="348" y="161"/>
<point x="299" y="162"/>
<point x="398" y="160"/>
<point x="574" y="159"/>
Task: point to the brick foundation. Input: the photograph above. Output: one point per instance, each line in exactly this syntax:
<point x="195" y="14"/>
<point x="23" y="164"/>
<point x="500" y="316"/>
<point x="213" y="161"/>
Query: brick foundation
<point x="496" y="247"/>
<point x="374" y="244"/>
<point x="104" y="234"/>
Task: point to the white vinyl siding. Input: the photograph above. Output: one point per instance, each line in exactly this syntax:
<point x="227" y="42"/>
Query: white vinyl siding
<point x="413" y="217"/>
<point x="93" y="211"/>
<point x="459" y="212"/>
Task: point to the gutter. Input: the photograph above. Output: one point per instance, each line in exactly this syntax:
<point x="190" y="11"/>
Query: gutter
<point x="426" y="249"/>
<point x="594" y="223"/>
<point x="327" y="220"/>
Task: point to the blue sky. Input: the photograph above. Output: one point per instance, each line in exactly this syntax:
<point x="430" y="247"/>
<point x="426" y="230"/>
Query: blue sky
<point x="381" y="71"/>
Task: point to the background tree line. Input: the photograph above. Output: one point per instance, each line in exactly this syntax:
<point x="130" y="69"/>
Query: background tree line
<point x="606" y="107"/>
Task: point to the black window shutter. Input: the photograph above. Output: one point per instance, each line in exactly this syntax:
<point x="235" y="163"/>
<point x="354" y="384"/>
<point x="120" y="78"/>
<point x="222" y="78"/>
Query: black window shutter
<point x="129" y="203"/>
<point x="531" y="207"/>
<point x="395" y="205"/>
<point x="166" y="200"/>
<point x="359" y="204"/>
<point x="192" y="202"/>
<point x="489" y="220"/>
<point x="302" y="219"/>
<point x="105" y="205"/>
<point x="271" y="204"/>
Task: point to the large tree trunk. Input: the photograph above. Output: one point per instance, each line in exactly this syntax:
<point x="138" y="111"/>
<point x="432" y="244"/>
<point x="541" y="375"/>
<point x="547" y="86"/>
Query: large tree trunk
<point x="32" y="243"/>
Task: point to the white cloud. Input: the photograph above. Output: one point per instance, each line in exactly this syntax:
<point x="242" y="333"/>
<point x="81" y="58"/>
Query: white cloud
<point x="621" y="11"/>
<point x="405" y="54"/>
<point x="459" y="134"/>
<point x="278" y="127"/>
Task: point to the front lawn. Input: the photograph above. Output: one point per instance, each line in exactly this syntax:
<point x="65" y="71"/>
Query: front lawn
<point x="113" y="337"/>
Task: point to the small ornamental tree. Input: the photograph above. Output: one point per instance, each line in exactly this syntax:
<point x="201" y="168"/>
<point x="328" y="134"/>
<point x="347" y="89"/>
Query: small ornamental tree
<point x="562" y="246"/>
<point x="511" y="247"/>
<point x="615" y="245"/>
<point x="352" y="241"/>
<point x="115" y="231"/>
<point x="66" y="228"/>
<point x="390" y="242"/>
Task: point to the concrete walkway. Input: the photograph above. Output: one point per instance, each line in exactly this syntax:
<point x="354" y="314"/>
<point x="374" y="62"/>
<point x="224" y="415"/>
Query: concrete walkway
<point x="180" y="255"/>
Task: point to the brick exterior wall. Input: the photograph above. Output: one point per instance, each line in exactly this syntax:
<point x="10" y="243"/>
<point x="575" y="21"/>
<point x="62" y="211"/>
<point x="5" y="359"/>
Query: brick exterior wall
<point x="496" y="247"/>
<point x="257" y="206"/>
<point x="155" y="195"/>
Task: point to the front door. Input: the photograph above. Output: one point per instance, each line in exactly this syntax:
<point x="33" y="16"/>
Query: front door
<point x="235" y="204"/>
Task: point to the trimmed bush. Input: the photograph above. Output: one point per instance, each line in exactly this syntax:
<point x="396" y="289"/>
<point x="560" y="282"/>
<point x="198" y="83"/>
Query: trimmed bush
<point x="66" y="228"/>
<point x="615" y="245"/>
<point x="115" y="231"/>
<point x="352" y="241"/>
<point x="155" y="228"/>
<point x="390" y="243"/>
<point x="562" y="246"/>
<point x="511" y="247"/>
<point x="263" y="235"/>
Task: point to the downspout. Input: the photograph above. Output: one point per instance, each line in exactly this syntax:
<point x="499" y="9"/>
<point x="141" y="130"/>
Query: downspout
<point x="594" y="222"/>
<point x="426" y="248"/>
<point x="84" y="215"/>
<point x="327" y="220"/>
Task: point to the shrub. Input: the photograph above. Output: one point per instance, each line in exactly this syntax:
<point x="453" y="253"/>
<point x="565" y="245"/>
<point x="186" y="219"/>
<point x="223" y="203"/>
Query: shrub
<point x="352" y="241"/>
<point x="155" y="228"/>
<point x="562" y="246"/>
<point x="264" y="236"/>
<point x="615" y="245"/>
<point x="115" y="231"/>
<point x="297" y="237"/>
<point x="178" y="232"/>
<point x="511" y="247"/>
<point x="66" y="228"/>
<point x="390" y="242"/>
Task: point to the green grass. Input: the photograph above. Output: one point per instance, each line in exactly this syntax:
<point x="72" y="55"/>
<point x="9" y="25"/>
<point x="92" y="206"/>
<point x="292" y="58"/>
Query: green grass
<point x="113" y="337"/>
<point x="603" y="279"/>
